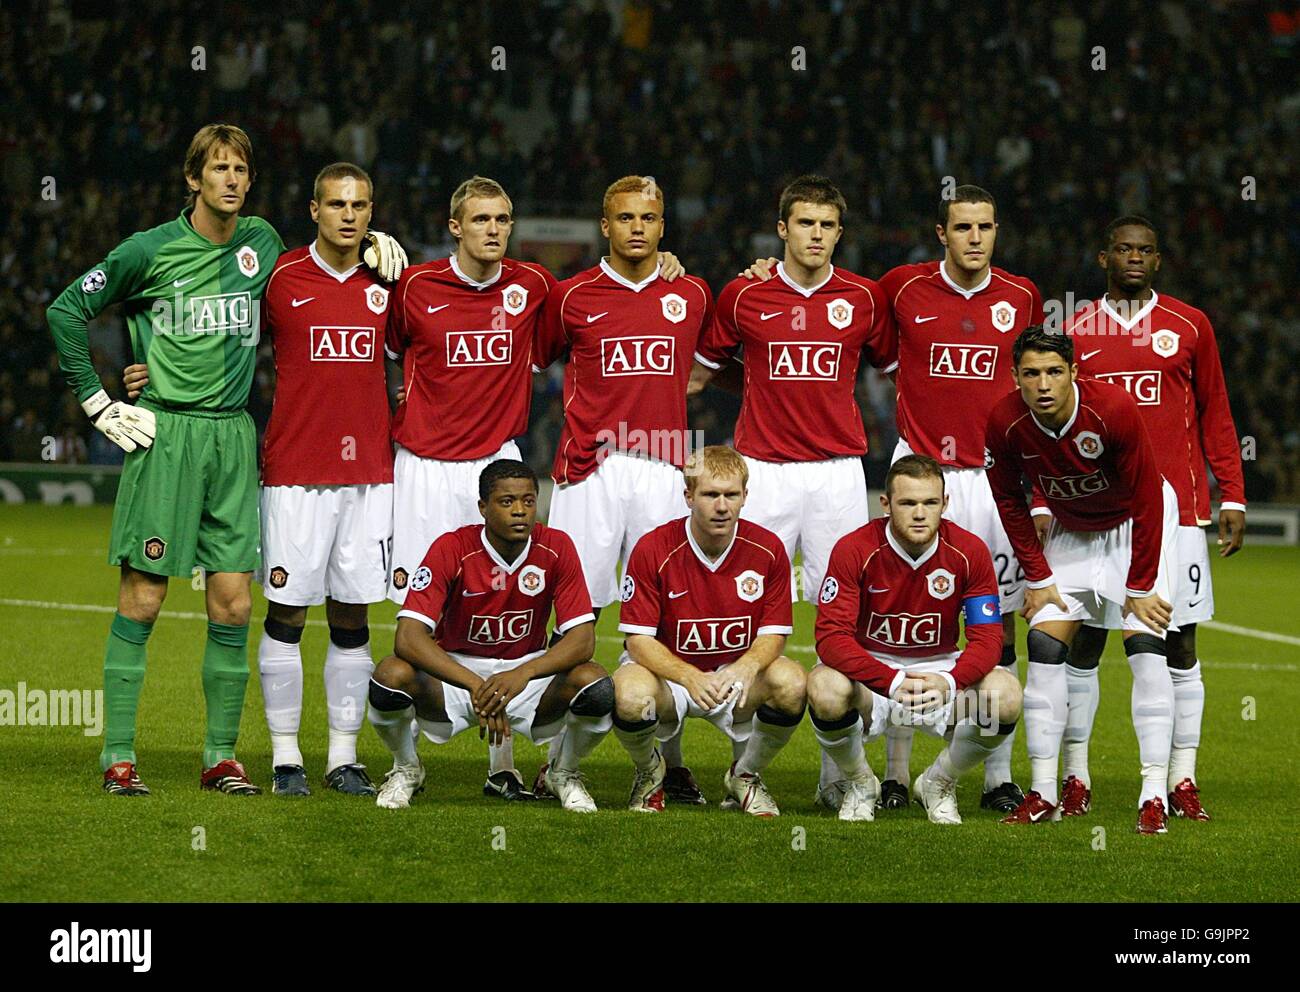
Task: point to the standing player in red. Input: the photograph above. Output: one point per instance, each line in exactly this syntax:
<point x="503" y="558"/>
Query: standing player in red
<point x="326" y="496"/>
<point x="471" y="644"/>
<point x="1105" y="561"/>
<point x="706" y="610"/>
<point x="887" y="623"/>
<point x="1164" y="353"/>
<point x="628" y="336"/>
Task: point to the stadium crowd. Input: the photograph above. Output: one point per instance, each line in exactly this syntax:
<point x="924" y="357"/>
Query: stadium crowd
<point x="1070" y="113"/>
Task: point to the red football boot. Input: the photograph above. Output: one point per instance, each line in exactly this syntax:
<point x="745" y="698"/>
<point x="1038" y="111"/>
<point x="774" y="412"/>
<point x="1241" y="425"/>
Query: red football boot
<point x="121" y="779"/>
<point x="1035" y="809"/>
<point x="1076" y="798"/>
<point x="1185" y="801"/>
<point x="1152" y="818"/>
<point x="228" y="776"/>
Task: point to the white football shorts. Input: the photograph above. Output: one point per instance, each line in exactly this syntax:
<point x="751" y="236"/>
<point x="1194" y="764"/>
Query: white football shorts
<point x="1193" y="591"/>
<point x="521" y="710"/>
<point x="971" y="506"/>
<point x="810" y="506"/>
<point x="431" y="498"/>
<point x="610" y="510"/>
<point x="320" y="541"/>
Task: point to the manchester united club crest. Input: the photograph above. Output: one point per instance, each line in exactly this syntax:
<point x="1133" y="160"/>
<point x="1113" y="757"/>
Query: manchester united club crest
<point x="1003" y="315"/>
<point x="941" y="583"/>
<point x="399" y="578"/>
<point x="1164" y="343"/>
<point x="377" y="299"/>
<point x="155" y="548"/>
<point x="247" y="259"/>
<point x="421" y="579"/>
<point x="1089" y="444"/>
<point x="513" y="299"/>
<point x="674" y="308"/>
<point x="749" y="585"/>
<point x="840" y="313"/>
<point x="278" y="577"/>
<point x="532" y="580"/>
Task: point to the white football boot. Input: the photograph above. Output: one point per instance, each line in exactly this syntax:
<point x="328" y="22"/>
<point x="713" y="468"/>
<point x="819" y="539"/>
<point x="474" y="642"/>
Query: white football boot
<point x="749" y="793"/>
<point x="939" y="797"/>
<point x="570" y="788"/>
<point x="830" y="796"/>
<point x="648" y="787"/>
<point x="859" y="805"/>
<point x="400" y="784"/>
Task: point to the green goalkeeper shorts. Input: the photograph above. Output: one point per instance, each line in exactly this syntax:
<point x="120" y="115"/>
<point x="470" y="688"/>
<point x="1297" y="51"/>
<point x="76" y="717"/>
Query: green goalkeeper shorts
<point x="190" y="500"/>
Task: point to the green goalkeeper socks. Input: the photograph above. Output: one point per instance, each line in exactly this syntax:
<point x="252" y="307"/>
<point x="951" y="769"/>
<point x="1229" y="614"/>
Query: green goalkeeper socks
<point x="123" y="677"/>
<point x="225" y="676"/>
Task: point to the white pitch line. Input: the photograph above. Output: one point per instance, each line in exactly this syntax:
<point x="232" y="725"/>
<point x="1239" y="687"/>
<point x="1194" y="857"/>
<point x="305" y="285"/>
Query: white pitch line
<point x="808" y="649"/>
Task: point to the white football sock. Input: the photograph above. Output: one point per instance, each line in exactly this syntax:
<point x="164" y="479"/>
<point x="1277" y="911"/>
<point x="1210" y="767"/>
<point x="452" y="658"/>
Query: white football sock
<point x="1189" y="706"/>
<point x="842" y="749"/>
<point x="553" y="749"/>
<point x="580" y="737"/>
<point x="898" y="752"/>
<point x="501" y="757"/>
<point x="347" y="681"/>
<point x="1045" y="710"/>
<point x="640" y="744"/>
<point x="997" y="766"/>
<point x="280" y="667"/>
<point x="968" y="747"/>
<point x="672" y="748"/>
<point x="1153" y="720"/>
<point x="1084" y="694"/>
<point x="764" y="742"/>
<point x="738" y="750"/>
<point x="394" y="729"/>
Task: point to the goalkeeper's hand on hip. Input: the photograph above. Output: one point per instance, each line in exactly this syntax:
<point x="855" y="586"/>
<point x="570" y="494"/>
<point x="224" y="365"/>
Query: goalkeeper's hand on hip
<point x="127" y="426"/>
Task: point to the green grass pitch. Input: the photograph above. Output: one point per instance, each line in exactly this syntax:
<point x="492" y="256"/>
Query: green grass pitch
<point x="64" y="839"/>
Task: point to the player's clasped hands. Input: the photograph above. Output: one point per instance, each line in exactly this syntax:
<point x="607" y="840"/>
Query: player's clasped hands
<point x="922" y="692"/>
<point x="1151" y="610"/>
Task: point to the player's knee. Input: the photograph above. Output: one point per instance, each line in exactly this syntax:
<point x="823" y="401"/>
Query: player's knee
<point x="291" y="616"/>
<point x="1004" y="696"/>
<point x="233" y="607"/>
<point x="595" y="697"/>
<point x="140" y="595"/>
<point x="387" y="699"/>
<point x="830" y="693"/>
<point x="351" y="616"/>
<point x="787" y="686"/>
<point x="1044" y="649"/>
<point x="350" y="637"/>
<point x="1181" y="648"/>
<point x="634" y="694"/>
<point x="1086" y="651"/>
<point x="394" y="673"/>
<point x="1141" y="643"/>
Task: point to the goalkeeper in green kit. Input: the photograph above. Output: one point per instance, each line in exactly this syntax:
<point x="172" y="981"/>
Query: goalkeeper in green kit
<point x="190" y="291"/>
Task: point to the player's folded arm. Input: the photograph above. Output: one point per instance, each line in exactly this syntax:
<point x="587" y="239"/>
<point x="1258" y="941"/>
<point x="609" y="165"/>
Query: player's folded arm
<point x="983" y="648"/>
<point x="840" y="650"/>
<point x="577" y="644"/>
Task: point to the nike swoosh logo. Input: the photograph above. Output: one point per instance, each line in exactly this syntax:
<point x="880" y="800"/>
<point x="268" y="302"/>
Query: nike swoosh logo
<point x="436" y="309"/>
<point x="178" y="283"/>
<point x="1088" y="354"/>
<point x="923" y="320"/>
<point x="277" y="686"/>
<point x="1035" y="817"/>
<point x="353" y="685"/>
<point x="677" y="595"/>
<point x="1027" y="457"/>
<point x="769" y="316"/>
<point x="298" y="303"/>
<point x="466" y="592"/>
<point x="591" y="318"/>
<point x="1193" y="605"/>
<point x="873" y="589"/>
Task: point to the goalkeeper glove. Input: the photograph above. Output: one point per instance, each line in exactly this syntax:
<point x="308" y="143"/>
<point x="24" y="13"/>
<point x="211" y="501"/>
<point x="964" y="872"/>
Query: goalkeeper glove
<point x="383" y="254"/>
<point x="127" y="426"/>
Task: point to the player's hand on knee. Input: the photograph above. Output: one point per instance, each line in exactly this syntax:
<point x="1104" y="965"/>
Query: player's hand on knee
<point x="736" y="681"/>
<point x="703" y="689"/>
<point x="134" y="379"/>
<point x="922" y="692"/>
<point x="1036" y="599"/>
<point x="1151" y="610"/>
<point x="494" y="695"/>
<point x="127" y="426"/>
<point x="383" y="254"/>
<point x="761" y="270"/>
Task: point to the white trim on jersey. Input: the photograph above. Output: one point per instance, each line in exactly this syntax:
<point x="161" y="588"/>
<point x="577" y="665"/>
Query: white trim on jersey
<point x="328" y="269"/>
<point x="1226" y="505"/>
<point x="1065" y="428"/>
<point x="474" y="283"/>
<point x="967" y="293"/>
<point x="630" y="628"/>
<point x="784" y="631"/>
<point x="508" y="568"/>
<point x="805" y="293"/>
<point x="636" y="287"/>
<point x="712" y="566"/>
<point x="915" y="563"/>
<point x="1128" y="325"/>
<point x="431" y="624"/>
<point x="566" y="627"/>
<point x="701" y="359"/>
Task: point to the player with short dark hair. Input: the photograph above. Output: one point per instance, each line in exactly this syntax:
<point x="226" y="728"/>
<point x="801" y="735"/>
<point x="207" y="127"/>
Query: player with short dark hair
<point x="471" y="645"/>
<point x="706" y="610"/>
<point x="1105" y="561"/>
<point x="1163" y="352"/>
<point x="887" y="627"/>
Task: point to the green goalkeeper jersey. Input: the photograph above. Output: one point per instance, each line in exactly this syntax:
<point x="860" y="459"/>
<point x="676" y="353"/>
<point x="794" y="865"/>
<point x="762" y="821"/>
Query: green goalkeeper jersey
<point x="192" y="306"/>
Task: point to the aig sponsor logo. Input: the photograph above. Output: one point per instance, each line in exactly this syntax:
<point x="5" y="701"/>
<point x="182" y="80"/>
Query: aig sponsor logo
<point x="507" y="628"/>
<point x="904" y="630"/>
<point x="713" y="635"/>
<point x="466" y="348"/>
<point x="963" y="361"/>
<point x="1144" y="387"/>
<point x="804" y="360"/>
<point x="1073" y="486"/>
<point x="221" y="313"/>
<point x="342" y="344"/>
<point x="648" y="355"/>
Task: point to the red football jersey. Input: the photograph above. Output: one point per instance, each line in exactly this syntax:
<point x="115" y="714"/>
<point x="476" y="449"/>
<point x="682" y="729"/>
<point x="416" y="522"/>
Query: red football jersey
<point x="878" y="598"/>
<point x="707" y="612"/>
<point x="1167" y="359"/>
<point x="477" y="603"/>
<point x="329" y="421"/>
<point x="1095" y="473"/>
<point x="801" y="351"/>
<point x="953" y="350"/>
<point x="468" y="350"/>
<point x="629" y="359"/>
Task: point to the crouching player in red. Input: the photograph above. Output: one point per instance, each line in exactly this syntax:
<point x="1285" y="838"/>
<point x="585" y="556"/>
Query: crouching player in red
<point x="471" y="644"/>
<point x="706" y="611"/>
<point x="1083" y="447"/>
<point x="887" y="620"/>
